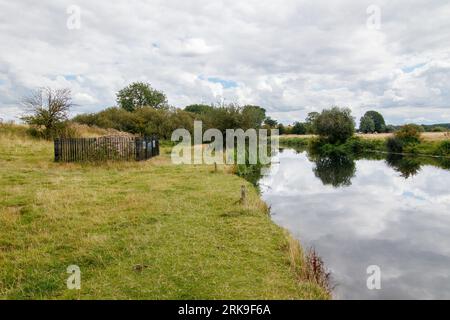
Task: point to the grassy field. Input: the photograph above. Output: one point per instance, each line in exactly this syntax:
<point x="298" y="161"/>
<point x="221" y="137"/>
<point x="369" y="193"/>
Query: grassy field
<point x="148" y="230"/>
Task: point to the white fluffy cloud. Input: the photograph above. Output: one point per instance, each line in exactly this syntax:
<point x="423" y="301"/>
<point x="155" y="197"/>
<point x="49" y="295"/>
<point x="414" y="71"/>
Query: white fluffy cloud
<point x="290" y="57"/>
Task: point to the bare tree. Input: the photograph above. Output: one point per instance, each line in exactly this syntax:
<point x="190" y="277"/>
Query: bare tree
<point x="48" y="108"/>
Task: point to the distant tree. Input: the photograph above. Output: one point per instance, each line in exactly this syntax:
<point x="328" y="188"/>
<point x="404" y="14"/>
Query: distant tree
<point x="138" y="95"/>
<point x="335" y="124"/>
<point x="310" y="122"/>
<point x="380" y="125"/>
<point x="48" y="108"/>
<point x="390" y="128"/>
<point x="438" y="129"/>
<point x="281" y="129"/>
<point x="366" y="124"/>
<point x="198" y="108"/>
<point x="271" y="123"/>
<point x="299" y="128"/>
<point x="252" y="116"/>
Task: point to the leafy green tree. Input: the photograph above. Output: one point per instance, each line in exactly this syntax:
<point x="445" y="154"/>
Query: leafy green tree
<point x="281" y="129"/>
<point x="380" y="125"/>
<point x="310" y="122"/>
<point x="335" y="124"/>
<point x="271" y="123"/>
<point x="138" y="95"/>
<point x="252" y="117"/>
<point x="366" y="124"/>
<point x="299" y="128"/>
<point x="198" y="108"/>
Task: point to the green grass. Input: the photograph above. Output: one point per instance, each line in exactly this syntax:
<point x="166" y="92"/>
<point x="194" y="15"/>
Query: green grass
<point x="148" y="230"/>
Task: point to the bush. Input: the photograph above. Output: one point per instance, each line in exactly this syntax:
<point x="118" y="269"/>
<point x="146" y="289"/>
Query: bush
<point x="394" y="144"/>
<point x="444" y="148"/>
<point x="335" y="125"/>
<point x="409" y="133"/>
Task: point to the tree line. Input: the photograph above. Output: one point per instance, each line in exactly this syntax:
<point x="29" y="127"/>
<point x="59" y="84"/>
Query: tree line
<point x="143" y="110"/>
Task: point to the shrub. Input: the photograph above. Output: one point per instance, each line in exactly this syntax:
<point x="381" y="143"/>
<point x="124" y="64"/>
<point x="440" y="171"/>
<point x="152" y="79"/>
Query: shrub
<point x="335" y="124"/>
<point x="394" y="144"/>
<point x="409" y="133"/>
<point x="444" y="148"/>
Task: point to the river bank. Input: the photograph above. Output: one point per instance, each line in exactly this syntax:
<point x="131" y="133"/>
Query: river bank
<point x="431" y="144"/>
<point x="147" y="230"/>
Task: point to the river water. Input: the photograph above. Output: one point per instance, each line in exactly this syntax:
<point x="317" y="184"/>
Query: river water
<point x="391" y="213"/>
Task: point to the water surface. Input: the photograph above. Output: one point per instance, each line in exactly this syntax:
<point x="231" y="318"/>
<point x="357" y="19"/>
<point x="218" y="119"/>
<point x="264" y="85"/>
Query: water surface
<point x="393" y="213"/>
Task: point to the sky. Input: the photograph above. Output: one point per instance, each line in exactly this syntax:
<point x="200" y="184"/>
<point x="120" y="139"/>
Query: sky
<point x="290" y="57"/>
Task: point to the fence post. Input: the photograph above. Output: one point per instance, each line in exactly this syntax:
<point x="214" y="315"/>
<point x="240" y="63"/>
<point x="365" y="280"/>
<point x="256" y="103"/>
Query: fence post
<point x="157" y="146"/>
<point x="243" y="194"/>
<point x="57" y="156"/>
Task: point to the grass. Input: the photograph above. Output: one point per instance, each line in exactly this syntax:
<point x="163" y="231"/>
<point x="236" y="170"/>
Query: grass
<point x="147" y="230"/>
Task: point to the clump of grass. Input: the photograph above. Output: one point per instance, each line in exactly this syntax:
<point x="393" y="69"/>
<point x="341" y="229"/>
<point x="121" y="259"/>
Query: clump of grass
<point x="316" y="271"/>
<point x="308" y="267"/>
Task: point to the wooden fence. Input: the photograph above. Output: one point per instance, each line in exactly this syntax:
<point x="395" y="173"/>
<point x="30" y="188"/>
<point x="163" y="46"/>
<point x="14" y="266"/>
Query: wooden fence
<point x="105" y="148"/>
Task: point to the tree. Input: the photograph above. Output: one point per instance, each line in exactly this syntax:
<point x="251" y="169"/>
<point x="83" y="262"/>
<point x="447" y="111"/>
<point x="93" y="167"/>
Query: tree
<point x="48" y="108"/>
<point x="271" y="123"/>
<point x="138" y="95"/>
<point x="198" y="108"/>
<point x="335" y="124"/>
<point x="366" y="124"/>
<point x="299" y="128"/>
<point x="310" y="120"/>
<point x="281" y="129"/>
<point x="380" y="125"/>
<point x="252" y="116"/>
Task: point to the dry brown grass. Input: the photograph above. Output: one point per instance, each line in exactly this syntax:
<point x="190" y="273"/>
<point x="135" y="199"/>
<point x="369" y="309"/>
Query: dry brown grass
<point x="85" y="131"/>
<point x="427" y="136"/>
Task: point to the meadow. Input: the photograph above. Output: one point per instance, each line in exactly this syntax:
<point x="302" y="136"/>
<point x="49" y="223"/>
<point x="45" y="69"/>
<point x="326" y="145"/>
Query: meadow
<point x="138" y="230"/>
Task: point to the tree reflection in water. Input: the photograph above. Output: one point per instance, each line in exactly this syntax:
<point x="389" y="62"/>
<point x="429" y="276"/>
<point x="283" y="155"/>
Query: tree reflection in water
<point x="407" y="166"/>
<point x="336" y="170"/>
